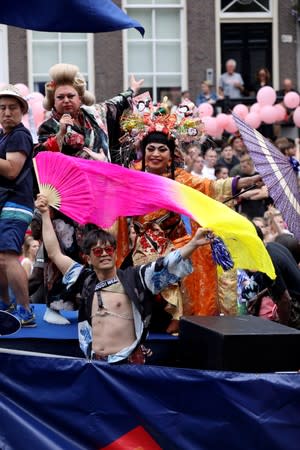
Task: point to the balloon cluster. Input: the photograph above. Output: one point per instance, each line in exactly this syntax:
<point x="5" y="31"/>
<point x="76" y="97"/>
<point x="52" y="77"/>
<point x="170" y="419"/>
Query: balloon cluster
<point x="215" y="126"/>
<point x="36" y="112"/>
<point x="263" y="111"/>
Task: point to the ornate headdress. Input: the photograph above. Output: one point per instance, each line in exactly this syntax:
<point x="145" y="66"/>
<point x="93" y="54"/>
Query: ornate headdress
<point x="159" y="120"/>
<point x="160" y="124"/>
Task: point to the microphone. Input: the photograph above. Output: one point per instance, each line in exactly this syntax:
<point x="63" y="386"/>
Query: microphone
<point x="69" y="130"/>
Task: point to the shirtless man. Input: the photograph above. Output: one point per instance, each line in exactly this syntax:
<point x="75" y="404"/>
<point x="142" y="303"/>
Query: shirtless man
<point x="115" y="307"/>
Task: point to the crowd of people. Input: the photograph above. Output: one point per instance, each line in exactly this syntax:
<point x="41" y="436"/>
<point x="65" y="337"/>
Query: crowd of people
<point x="146" y="271"/>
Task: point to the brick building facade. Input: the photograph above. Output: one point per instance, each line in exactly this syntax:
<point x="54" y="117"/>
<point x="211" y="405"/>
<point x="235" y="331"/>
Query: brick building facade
<point x="205" y="39"/>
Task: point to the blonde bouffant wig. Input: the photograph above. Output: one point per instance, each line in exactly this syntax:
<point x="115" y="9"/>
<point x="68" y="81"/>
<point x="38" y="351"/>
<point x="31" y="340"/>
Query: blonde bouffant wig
<point x="66" y="74"/>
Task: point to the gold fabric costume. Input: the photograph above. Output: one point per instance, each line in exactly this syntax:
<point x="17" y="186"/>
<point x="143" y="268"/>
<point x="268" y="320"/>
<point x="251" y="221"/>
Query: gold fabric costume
<point x="162" y="231"/>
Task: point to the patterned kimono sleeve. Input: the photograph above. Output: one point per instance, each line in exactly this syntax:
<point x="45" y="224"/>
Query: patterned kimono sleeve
<point x="166" y="271"/>
<point x="218" y="189"/>
<point x="224" y="189"/>
<point x="85" y="334"/>
<point x="47" y="137"/>
<point x="114" y="110"/>
<point x="72" y="274"/>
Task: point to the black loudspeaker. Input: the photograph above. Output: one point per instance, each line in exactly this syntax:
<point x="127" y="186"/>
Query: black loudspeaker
<point x="239" y="344"/>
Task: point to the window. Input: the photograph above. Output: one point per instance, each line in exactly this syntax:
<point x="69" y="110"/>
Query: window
<point x="4" y="54"/>
<point x="159" y="57"/>
<point x="245" y="7"/>
<point x="47" y="49"/>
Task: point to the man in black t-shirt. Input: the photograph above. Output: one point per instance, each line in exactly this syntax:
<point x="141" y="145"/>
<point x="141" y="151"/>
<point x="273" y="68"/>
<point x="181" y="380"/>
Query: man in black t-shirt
<point x="286" y="287"/>
<point x="251" y="203"/>
<point x="16" y="205"/>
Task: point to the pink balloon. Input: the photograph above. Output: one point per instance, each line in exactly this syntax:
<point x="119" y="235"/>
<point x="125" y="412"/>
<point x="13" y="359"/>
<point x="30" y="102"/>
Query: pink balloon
<point x="24" y="90"/>
<point x="253" y="119"/>
<point x="25" y="121"/>
<point x="256" y="107"/>
<point x="219" y="132"/>
<point x="231" y="126"/>
<point x="266" y="96"/>
<point x="36" y="105"/>
<point x="280" y="111"/>
<point x="35" y="96"/>
<point x="291" y="100"/>
<point x="268" y="114"/>
<point x="296" y="116"/>
<point x="205" y="110"/>
<point x="38" y="113"/>
<point x="241" y="110"/>
<point x="222" y="120"/>
<point x="210" y="125"/>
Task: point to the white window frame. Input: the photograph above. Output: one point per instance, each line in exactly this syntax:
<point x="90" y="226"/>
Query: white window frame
<point x="90" y="75"/>
<point x="271" y="17"/>
<point x="4" y="75"/>
<point x="249" y="15"/>
<point x="183" y="44"/>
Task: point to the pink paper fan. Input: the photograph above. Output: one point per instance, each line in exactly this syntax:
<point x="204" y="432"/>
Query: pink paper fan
<point x="67" y="188"/>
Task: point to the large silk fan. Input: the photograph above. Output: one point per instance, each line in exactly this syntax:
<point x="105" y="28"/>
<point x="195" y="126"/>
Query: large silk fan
<point x="66" y="188"/>
<point x="99" y="192"/>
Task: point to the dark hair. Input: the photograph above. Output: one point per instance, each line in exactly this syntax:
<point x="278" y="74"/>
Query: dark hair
<point x="95" y="236"/>
<point x="208" y="144"/>
<point x="225" y="145"/>
<point x="258" y="231"/>
<point x="219" y="167"/>
<point x="157" y="136"/>
<point x="267" y="72"/>
<point x="291" y="243"/>
<point x="245" y="153"/>
<point x="234" y="137"/>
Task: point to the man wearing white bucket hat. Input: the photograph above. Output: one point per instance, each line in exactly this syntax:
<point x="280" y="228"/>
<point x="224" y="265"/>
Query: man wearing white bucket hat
<point x="16" y="202"/>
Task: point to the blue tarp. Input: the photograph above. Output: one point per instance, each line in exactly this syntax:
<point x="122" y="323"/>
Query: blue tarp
<point x="57" y="403"/>
<point x="76" y="16"/>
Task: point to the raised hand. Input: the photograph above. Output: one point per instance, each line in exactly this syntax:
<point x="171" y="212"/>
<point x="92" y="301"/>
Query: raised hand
<point x="136" y="85"/>
<point x="202" y="236"/>
<point x="41" y="203"/>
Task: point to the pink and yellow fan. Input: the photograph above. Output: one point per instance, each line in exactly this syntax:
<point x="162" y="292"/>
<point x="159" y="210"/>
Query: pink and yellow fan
<point x="99" y="192"/>
<point x="67" y="189"/>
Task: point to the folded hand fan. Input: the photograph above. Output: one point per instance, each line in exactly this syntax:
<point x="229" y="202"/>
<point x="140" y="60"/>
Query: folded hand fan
<point x="67" y="188"/>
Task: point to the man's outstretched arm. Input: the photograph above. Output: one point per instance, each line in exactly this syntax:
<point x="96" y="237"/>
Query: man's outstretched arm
<point x="171" y="268"/>
<point x="50" y="240"/>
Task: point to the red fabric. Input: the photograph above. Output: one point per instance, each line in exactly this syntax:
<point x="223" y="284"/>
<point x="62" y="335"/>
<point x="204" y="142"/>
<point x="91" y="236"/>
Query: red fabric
<point x="136" y="439"/>
<point x="52" y="144"/>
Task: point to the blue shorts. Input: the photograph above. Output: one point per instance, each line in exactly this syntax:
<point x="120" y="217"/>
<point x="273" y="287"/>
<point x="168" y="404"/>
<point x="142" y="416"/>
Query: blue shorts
<point x="12" y="233"/>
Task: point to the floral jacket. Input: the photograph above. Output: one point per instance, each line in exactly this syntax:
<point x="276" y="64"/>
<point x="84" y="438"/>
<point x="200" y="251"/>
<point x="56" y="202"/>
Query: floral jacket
<point x="99" y="128"/>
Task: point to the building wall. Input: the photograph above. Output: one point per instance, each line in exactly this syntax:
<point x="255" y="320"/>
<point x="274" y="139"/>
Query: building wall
<point x="108" y="55"/>
<point x="287" y="51"/>
<point x="108" y="59"/>
<point x="201" y="42"/>
<point x="17" y="55"/>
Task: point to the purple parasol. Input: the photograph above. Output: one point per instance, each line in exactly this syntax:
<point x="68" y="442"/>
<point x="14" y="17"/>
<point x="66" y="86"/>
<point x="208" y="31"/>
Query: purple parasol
<point x="279" y="173"/>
